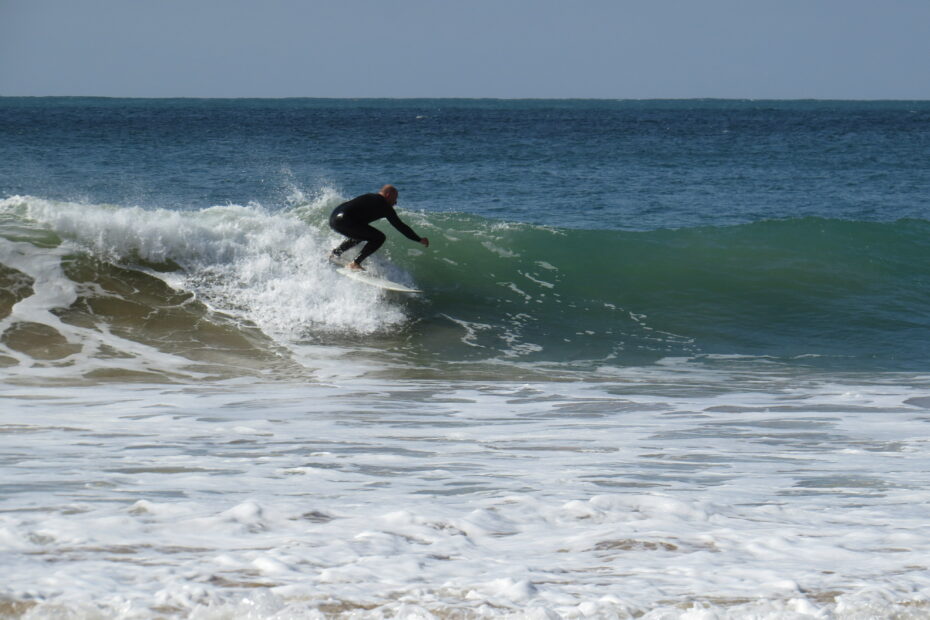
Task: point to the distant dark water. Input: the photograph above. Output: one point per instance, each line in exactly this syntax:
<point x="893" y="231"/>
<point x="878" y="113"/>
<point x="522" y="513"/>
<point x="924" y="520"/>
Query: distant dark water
<point x="580" y="164"/>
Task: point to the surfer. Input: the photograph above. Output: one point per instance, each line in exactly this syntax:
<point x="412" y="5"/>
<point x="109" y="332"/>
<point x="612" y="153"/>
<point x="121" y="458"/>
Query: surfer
<point x="353" y="219"/>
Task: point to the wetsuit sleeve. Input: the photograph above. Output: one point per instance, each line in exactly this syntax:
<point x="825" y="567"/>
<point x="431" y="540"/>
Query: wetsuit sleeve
<point x="399" y="225"/>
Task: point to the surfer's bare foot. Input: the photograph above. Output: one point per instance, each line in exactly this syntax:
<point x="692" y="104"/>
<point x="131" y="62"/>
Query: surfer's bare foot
<point x="355" y="266"/>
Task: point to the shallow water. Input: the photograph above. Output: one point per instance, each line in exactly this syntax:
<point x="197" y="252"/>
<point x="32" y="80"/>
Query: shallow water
<point x="468" y="498"/>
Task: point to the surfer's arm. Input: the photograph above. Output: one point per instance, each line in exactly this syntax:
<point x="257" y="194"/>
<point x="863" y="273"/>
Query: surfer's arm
<point x="403" y="228"/>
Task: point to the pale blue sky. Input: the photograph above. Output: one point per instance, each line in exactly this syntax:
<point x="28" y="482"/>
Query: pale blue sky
<point x="784" y="49"/>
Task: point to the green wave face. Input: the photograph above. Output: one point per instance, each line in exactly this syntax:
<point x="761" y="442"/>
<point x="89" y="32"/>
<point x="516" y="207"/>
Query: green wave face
<point x="848" y="292"/>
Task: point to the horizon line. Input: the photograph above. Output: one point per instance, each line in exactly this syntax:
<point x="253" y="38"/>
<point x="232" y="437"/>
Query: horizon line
<point x="459" y="98"/>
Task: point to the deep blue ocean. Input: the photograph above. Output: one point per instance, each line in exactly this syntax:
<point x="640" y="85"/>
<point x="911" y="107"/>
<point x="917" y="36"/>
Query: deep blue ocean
<point x="671" y="360"/>
<point x="615" y="165"/>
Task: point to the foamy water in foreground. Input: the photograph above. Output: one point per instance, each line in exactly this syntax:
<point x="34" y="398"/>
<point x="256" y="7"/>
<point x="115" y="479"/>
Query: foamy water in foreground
<point x="662" y="493"/>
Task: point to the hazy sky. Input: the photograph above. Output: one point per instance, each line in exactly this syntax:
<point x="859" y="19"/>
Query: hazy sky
<point x="842" y="49"/>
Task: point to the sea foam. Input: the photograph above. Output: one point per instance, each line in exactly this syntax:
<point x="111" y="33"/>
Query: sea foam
<point x="486" y="500"/>
<point x="263" y="268"/>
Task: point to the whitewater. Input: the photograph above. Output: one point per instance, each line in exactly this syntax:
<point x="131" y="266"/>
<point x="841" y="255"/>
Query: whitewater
<point x="718" y="412"/>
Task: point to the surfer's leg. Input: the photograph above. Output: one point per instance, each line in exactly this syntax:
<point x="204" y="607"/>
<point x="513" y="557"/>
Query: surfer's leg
<point x="356" y="233"/>
<point x="348" y="244"/>
<point x="375" y="240"/>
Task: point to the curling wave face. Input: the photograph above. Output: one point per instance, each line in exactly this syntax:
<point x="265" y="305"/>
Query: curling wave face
<point x="104" y="290"/>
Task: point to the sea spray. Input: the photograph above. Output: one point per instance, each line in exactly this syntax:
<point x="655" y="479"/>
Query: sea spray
<point x="266" y="267"/>
<point x="242" y="282"/>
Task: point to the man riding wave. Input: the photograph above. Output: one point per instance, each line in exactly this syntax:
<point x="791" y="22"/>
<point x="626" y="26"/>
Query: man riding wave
<point x="353" y="219"/>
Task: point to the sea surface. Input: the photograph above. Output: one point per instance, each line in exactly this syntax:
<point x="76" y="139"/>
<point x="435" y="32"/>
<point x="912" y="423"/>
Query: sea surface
<point x="672" y="360"/>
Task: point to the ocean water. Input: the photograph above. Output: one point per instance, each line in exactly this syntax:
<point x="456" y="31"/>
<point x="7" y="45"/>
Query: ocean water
<point x="672" y="360"/>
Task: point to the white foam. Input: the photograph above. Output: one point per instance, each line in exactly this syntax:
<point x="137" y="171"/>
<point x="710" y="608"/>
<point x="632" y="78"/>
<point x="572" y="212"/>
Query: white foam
<point x="52" y="290"/>
<point x="265" y="268"/>
<point x="519" y="500"/>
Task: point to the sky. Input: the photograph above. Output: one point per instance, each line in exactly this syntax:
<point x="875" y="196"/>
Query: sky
<point x="611" y="49"/>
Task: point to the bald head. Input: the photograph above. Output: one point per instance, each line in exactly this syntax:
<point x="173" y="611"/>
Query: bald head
<point x="390" y="194"/>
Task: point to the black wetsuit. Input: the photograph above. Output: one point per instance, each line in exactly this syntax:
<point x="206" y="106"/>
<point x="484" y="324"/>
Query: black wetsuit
<point x="353" y="219"/>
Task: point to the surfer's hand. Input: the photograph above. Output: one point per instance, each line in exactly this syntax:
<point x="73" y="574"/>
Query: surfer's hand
<point x="424" y="241"/>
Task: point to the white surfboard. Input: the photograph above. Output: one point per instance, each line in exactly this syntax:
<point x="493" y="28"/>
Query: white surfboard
<point x="373" y="280"/>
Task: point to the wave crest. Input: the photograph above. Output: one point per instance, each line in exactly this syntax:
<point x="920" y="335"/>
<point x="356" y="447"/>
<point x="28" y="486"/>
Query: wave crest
<point x="808" y="288"/>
